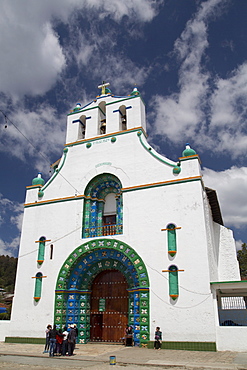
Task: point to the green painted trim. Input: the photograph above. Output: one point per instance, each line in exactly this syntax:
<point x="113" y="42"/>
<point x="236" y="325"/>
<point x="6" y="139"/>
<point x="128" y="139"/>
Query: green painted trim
<point x="65" y="151"/>
<point x="95" y="244"/>
<point x="33" y="187"/>
<point x="84" y="141"/>
<point x="187" y="346"/>
<point x="141" y="187"/>
<point x="114" y="102"/>
<point x="83" y="110"/>
<point x="25" y="340"/>
<point x="228" y="282"/>
<point x="53" y="201"/>
<point x="101" y="110"/>
<point x="157" y="156"/>
<point x="172" y="182"/>
<point x="127" y="98"/>
<point x="194" y="156"/>
<point x="140" y="292"/>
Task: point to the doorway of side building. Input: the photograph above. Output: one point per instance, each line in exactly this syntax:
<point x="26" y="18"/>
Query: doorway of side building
<point x="109" y="307"/>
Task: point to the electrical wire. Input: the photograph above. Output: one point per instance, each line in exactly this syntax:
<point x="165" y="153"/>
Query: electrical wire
<point x="47" y="245"/>
<point x="164" y="277"/>
<point x="33" y="146"/>
<point x="52" y="242"/>
<point x="185" y="308"/>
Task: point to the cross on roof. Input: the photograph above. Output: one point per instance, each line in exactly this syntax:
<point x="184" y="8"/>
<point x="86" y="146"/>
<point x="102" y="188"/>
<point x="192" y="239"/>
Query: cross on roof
<point x="103" y="86"/>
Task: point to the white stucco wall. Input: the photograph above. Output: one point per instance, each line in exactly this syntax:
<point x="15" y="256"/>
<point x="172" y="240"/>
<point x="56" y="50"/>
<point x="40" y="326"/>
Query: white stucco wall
<point x="231" y="338"/>
<point x="228" y="264"/>
<point x="153" y="197"/>
<point x="4" y="329"/>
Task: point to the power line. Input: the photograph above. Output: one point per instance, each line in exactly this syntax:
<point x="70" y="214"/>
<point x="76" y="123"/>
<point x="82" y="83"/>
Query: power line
<point x="185" y="308"/>
<point x="164" y="277"/>
<point x="33" y="251"/>
<point x="33" y="146"/>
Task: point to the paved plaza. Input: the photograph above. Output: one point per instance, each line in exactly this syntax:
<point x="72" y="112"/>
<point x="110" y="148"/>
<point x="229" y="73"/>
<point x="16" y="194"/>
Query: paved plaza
<point x="96" y="356"/>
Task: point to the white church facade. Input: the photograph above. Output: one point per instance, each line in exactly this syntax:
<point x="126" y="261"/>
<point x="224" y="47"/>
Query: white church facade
<point x="123" y="235"/>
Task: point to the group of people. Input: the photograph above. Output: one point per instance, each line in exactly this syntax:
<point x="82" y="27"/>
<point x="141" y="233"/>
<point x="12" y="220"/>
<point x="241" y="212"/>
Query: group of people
<point x="60" y="342"/>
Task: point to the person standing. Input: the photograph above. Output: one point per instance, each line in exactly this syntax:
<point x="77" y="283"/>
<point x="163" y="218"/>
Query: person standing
<point x="157" y="338"/>
<point x="52" y="337"/>
<point x="47" y="340"/>
<point x="65" y="341"/>
<point x="129" y="336"/>
<point x="71" y="340"/>
<point x="59" y="342"/>
<point x="76" y="332"/>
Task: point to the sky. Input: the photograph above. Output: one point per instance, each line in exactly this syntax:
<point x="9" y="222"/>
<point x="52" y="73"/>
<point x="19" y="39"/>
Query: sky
<point x="188" y="59"/>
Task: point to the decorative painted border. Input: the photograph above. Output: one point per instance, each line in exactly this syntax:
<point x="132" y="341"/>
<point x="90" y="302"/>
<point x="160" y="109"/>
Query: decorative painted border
<point x="120" y="256"/>
<point x="162" y="183"/>
<point x="131" y="188"/>
<point x="106" y="96"/>
<point x="160" y="158"/>
<point x="61" y="164"/>
<point x="97" y="138"/>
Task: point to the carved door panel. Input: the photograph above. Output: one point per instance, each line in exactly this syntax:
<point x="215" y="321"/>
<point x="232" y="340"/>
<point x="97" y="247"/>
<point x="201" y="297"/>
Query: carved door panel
<point x="109" y="306"/>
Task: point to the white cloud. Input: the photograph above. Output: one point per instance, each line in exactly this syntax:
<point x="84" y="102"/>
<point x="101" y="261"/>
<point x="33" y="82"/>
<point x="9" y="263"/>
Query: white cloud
<point x="229" y="112"/>
<point x="31" y="56"/>
<point x="10" y="249"/>
<point x="11" y="212"/>
<point x="209" y="110"/>
<point x="144" y="10"/>
<point x="239" y="244"/>
<point x="33" y="125"/>
<point x="180" y="115"/>
<point x="16" y="209"/>
<point x="231" y="188"/>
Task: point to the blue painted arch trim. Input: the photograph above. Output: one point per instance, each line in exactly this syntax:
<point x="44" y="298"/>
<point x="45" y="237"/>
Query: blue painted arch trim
<point x="72" y="295"/>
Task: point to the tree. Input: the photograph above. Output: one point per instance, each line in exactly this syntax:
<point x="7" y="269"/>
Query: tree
<point x="242" y="259"/>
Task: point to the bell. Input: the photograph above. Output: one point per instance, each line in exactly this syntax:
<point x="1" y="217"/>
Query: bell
<point x="103" y="126"/>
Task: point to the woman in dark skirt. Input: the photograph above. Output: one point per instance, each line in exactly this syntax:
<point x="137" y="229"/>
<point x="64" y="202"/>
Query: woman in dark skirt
<point x="129" y="336"/>
<point x="157" y="338"/>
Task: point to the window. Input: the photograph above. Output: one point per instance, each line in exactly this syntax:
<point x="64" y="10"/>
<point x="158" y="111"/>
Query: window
<point x="171" y="239"/>
<point x="173" y="282"/>
<point x="103" y="209"/>
<point x="41" y="252"/>
<point x="38" y="286"/>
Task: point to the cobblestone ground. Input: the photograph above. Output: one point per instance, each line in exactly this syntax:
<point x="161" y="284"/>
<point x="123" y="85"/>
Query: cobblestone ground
<point x="96" y="356"/>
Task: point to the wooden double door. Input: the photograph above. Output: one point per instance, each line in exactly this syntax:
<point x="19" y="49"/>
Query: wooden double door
<point x="109" y="307"/>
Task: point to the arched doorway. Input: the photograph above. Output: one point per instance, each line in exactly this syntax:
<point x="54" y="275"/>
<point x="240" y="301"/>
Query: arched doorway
<point x="76" y="290"/>
<point x="109" y="306"/>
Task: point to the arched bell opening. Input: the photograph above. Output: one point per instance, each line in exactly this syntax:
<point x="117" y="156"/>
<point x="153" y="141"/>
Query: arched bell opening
<point x="120" y="272"/>
<point x="102" y="118"/>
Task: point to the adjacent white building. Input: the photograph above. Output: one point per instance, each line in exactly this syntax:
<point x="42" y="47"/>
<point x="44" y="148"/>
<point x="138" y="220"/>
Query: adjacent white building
<point x="122" y="235"/>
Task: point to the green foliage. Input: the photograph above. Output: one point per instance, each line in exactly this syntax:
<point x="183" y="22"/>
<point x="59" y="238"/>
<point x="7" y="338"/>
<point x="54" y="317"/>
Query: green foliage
<point x="7" y="281"/>
<point x="7" y="273"/>
<point x="242" y="259"/>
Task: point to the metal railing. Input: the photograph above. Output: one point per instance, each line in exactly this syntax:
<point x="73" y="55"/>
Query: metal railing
<point x="103" y="231"/>
<point x="233" y="303"/>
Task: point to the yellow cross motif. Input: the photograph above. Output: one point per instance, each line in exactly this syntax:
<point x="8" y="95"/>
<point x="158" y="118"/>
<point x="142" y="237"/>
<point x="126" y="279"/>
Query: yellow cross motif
<point x="103" y="86"/>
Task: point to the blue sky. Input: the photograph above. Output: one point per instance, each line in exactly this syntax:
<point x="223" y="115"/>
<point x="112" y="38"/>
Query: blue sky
<point x="188" y="59"/>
